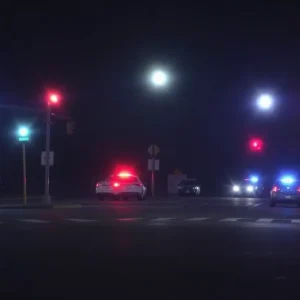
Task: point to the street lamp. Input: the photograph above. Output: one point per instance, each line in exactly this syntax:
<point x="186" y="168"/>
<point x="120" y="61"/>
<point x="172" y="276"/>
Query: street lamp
<point x="23" y="134"/>
<point x="265" y="102"/>
<point x="52" y="99"/>
<point x="159" y="78"/>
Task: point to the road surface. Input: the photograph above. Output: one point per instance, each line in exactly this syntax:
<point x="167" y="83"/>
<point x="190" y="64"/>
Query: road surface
<point x="223" y="246"/>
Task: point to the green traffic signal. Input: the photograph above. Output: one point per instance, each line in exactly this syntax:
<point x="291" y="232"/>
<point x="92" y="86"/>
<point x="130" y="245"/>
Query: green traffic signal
<point x="23" y="134"/>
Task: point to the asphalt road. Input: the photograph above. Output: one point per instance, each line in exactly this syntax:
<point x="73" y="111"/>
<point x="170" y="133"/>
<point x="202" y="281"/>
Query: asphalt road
<point x="241" y="246"/>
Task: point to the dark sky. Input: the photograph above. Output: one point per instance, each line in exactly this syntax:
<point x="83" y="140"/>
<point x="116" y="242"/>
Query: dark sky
<point x="220" y="58"/>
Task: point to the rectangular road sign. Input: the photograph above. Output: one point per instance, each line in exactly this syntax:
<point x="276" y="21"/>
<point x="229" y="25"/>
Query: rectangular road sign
<point x="156" y="164"/>
<point x="51" y="158"/>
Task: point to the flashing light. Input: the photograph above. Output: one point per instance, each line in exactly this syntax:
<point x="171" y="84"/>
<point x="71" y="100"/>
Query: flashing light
<point x="254" y="179"/>
<point x="275" y="189"/>
<point x="236" y="188"/>
<point x="116" y="184"/>
<point x="124" y="174"/>
<point x="249" y="188"/>
<point x="287" y="180"/>
<point x="256" y="145"/>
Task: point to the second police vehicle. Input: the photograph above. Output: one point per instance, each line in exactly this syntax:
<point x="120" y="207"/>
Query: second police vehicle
<point x="249" y="187"/>
<point x="285" y="190"/>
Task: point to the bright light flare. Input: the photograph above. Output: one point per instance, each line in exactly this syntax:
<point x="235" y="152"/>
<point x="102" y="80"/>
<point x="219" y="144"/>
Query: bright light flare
<point x="287" y="180"/>
<point x="116" y="184"/>
<point x="265" y="102"/>
<point x="23" y="131"/>
<point x="254" y="179"/>
<point x="250" y="188"/>
<point x="124" y="174"/>
<point x="159" y="78"/>
<point x="236" y="188"/>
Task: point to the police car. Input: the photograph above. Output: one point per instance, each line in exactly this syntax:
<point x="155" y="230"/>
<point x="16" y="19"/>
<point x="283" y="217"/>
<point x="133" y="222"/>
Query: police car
<point x="285" y="190"/>
<point x="249" y="187"/>
<point x="121" y="185"/>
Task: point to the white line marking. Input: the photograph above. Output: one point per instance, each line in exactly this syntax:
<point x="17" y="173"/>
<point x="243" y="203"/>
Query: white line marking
<point x="297" y="221"/>
<point x="33" y="221"/>
<point x="230" y="219"/>
<point x="264" y="220"/>
<point x="258" y="204"/>
<point x="158" y="223"/>
<point x="82" y="220"/>
<point x="196" y="219"/>
<point x="162" y="219"/>
<point x="128" y="219"/>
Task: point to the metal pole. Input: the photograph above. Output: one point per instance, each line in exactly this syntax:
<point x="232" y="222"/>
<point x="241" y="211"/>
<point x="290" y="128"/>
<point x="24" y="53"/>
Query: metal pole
<point x="24" y="174"/>
<point x="153" y="170"/>
<point x="47" y="166"/>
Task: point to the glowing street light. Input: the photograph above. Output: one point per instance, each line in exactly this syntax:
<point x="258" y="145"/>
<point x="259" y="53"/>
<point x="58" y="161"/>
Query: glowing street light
<point x="159" y="78"/>
<point x="265" y="102"/>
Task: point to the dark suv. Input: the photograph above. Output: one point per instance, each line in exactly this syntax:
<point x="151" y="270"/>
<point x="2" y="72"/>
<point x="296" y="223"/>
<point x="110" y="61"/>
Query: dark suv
<point x="189" y="187"/>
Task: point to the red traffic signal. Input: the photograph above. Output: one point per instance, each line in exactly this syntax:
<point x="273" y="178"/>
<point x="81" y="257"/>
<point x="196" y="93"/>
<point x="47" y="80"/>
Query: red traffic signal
<point x="256" y="145"/>
<point x="53" y="98"/>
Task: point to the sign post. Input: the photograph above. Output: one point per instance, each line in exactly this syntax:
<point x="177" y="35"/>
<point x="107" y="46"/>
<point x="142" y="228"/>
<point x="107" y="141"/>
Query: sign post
<point x="23" y="137"/>
<point x="153" y="165"/>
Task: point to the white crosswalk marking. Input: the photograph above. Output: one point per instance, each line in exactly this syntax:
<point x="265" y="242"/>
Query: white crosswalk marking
<point x="196" y="219"/>
<point x="82" y="220"/>
<point x="230" y="219"/>
<point x="162" y="219"/>
<point x="264" y="220"/>
<point x="128" y="219"/>
<point x="296" y="221"/>
<point x="34" y="221"/>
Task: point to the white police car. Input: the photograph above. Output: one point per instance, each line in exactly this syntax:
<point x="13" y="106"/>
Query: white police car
<point x="121" y="185"/>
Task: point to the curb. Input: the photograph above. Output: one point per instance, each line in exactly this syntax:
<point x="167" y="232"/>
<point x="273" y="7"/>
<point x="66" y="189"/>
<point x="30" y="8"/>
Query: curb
<point x="23" y="206"/>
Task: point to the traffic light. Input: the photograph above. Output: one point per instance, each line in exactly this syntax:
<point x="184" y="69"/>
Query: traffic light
<point x="23" y="134"/>
<point x="256" y="145"/>
<point x="53" y="98"/>
<point x="70" y="127"/>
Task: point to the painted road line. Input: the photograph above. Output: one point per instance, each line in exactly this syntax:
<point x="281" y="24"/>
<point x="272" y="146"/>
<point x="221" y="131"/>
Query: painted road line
<point x="34" y="221"/>
<point x="230" y="219"/>
<point x="258" y="204"/>
<point x="129" y="219"/>
<point x="264" y="220"/>
<point x="296" y="221"/>
<point x="82" y="220"/>
<point x="162" y="219"/>
<point x="196" y="219"/>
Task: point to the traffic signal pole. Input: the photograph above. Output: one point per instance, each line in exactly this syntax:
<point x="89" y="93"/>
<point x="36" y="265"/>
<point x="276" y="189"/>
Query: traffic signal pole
<point x="47" y="150"/>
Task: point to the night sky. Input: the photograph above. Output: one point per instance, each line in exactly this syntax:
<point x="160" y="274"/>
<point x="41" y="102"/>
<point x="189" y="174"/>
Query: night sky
<point x="220" y="59"/>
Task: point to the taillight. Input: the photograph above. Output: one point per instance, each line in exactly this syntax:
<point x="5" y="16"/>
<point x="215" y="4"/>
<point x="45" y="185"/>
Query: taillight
<point x="98" y="184"/>
<point x="275" y="189"/>
<point x="116" y="184"/>
<point x="138" y="184"/>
